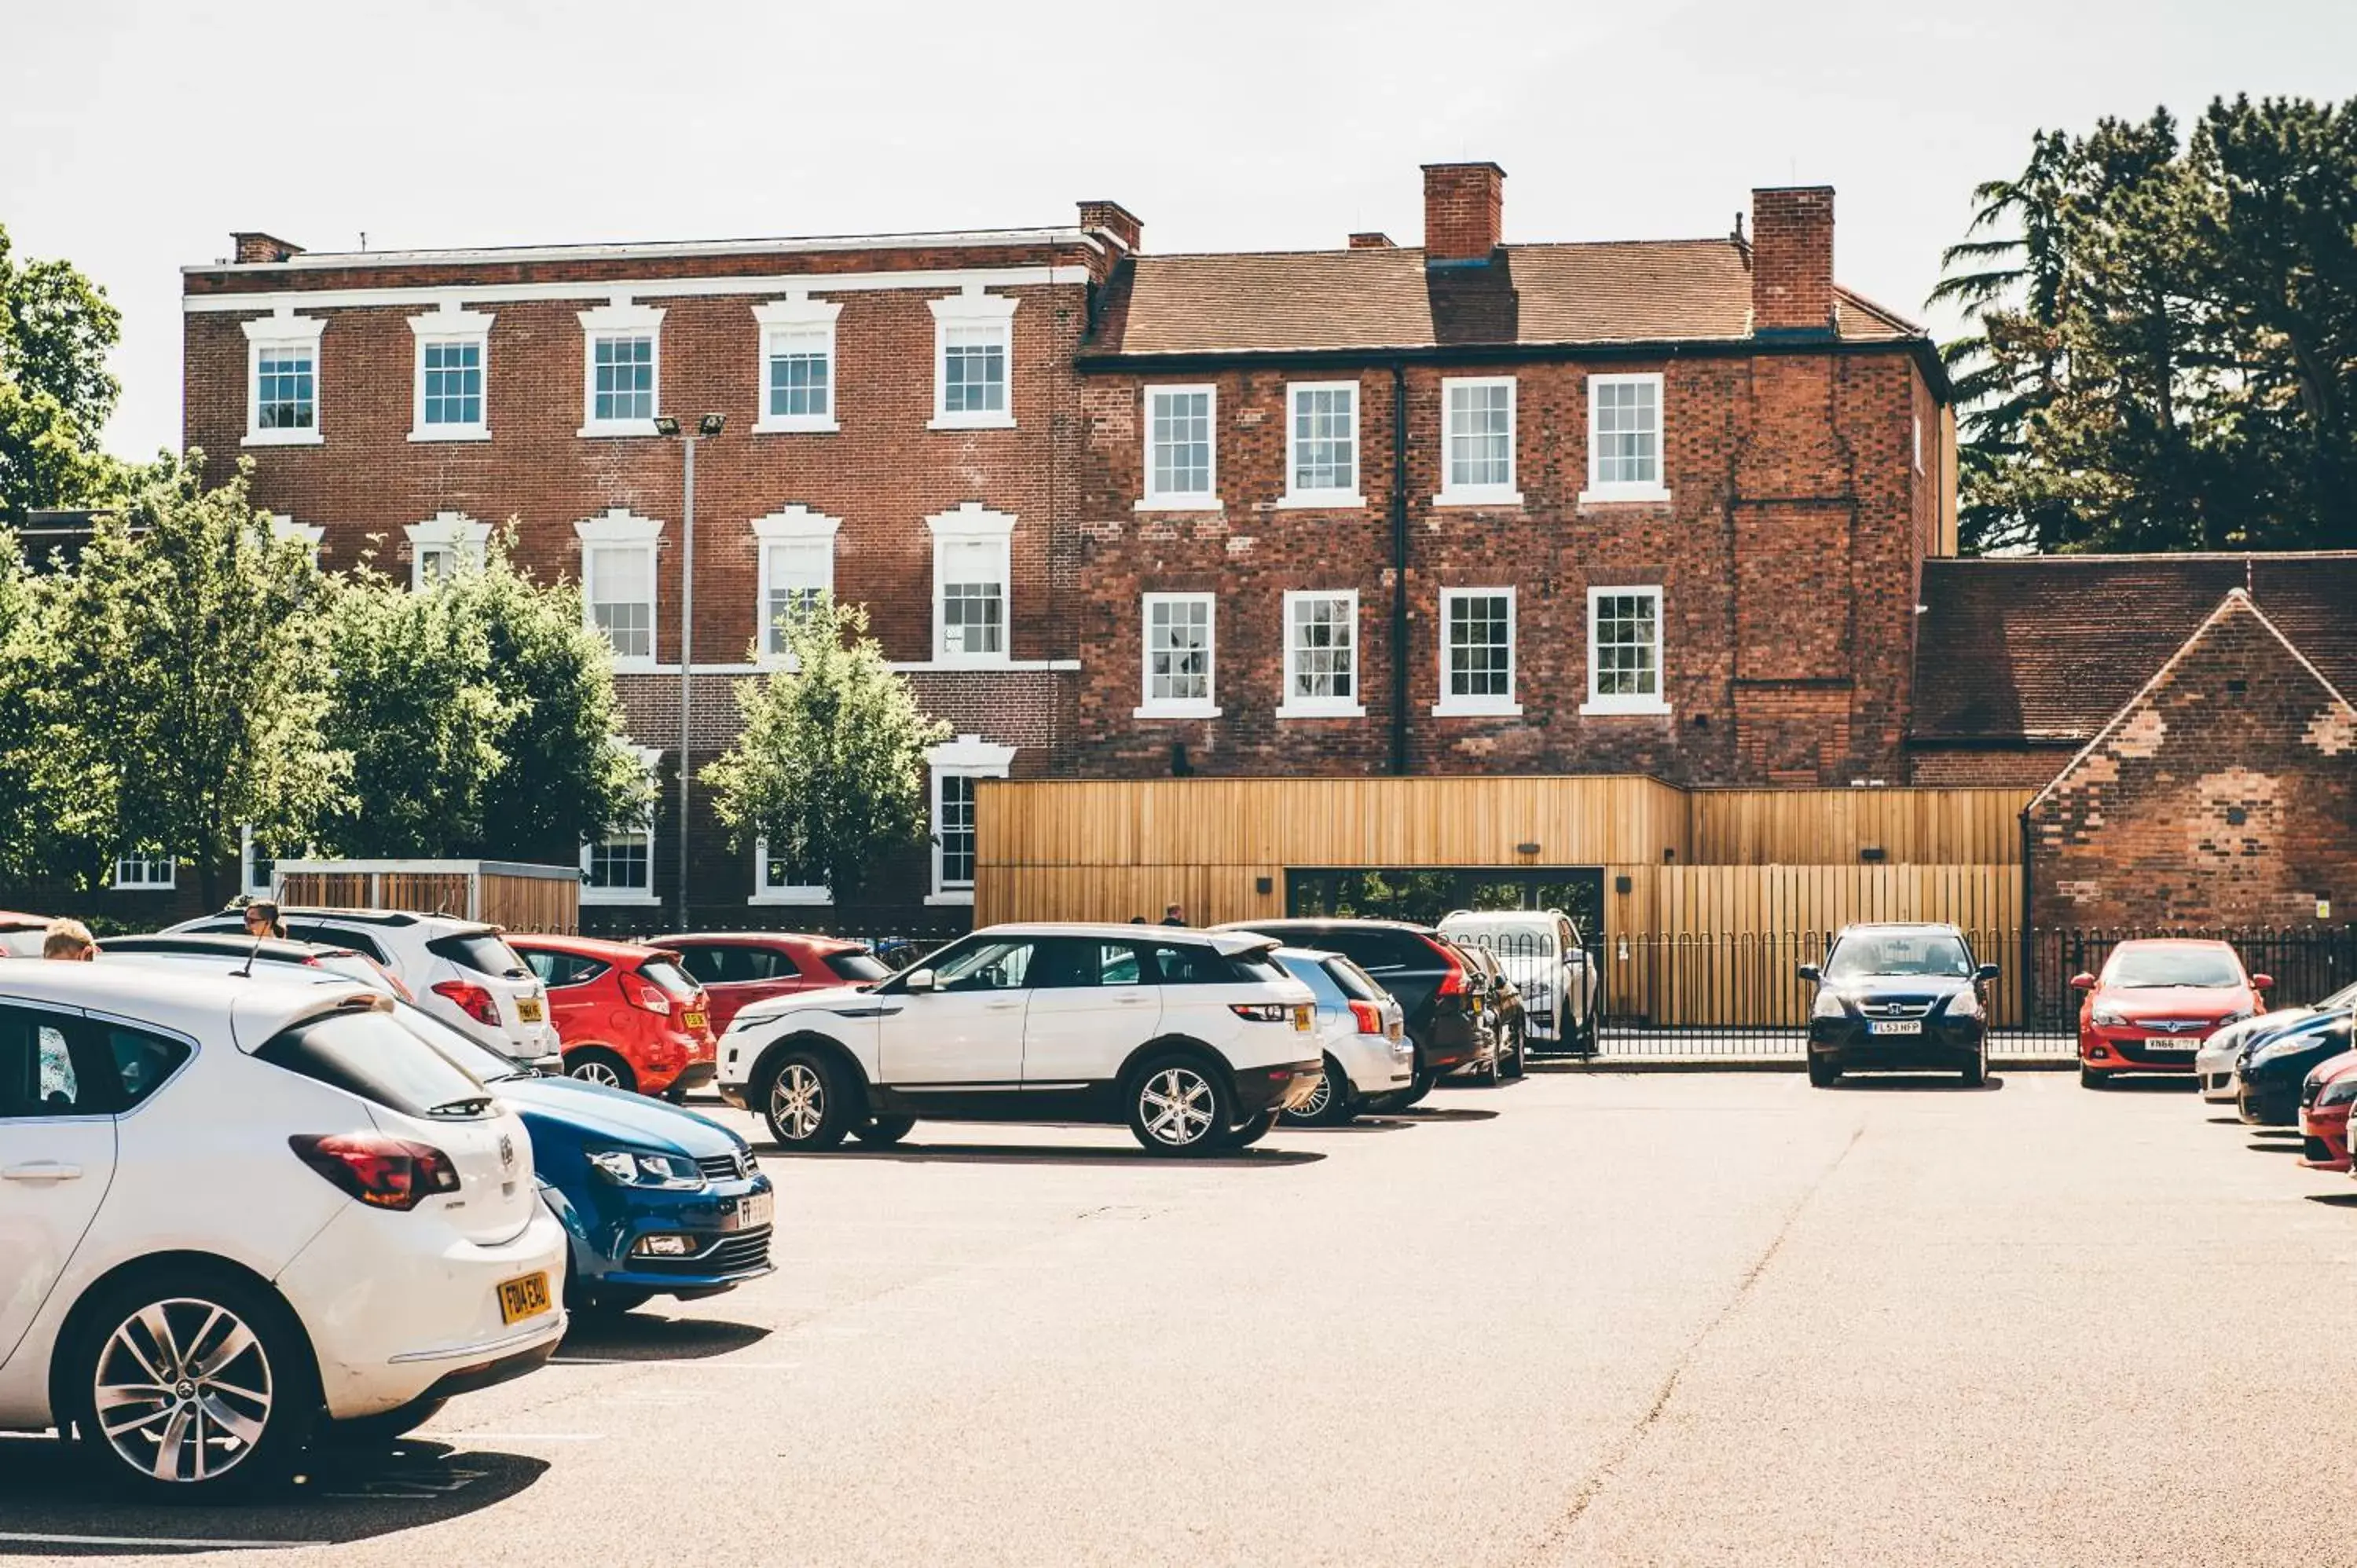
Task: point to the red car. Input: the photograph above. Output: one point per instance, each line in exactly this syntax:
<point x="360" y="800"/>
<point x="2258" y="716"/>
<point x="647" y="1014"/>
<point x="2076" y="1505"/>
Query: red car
<point x="737" y="968"/>
<point x="2324" y="1102"/>
<point x="21" y="935"/>
<point x="2156" y="1002"/>
<point x="625" y="1014"/>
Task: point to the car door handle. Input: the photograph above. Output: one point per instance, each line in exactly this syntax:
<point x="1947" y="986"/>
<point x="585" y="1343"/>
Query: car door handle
<point x="1000" y="1006"/>
<point x="42" y="1170"/>
<point x="1131" y="1001"/>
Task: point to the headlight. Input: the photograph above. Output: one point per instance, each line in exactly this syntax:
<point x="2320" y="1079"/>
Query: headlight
<point x="2108" y="1018"/>
<point x="2340" y="1091"/>
<point x="2234" y="1018"/>
<point x="639" y="1167"/>
<point x="1965" y="1003"/>
<point x="1829" y="1005"/>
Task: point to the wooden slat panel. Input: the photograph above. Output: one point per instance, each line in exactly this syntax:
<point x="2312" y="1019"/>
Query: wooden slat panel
<point x="1825" y="827"/>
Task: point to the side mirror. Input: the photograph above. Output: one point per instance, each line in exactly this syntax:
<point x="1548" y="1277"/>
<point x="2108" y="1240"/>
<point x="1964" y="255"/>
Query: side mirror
<point x="1983" y="974"/>
<point x="1809" y="972"/>
<point x="919" y="981"/>
<point x="2263" y="982"/>
<point x="2083" y="983"/>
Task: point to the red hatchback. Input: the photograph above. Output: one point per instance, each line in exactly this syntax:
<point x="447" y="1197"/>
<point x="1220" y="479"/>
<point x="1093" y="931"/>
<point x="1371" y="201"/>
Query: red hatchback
<point x="2156" y="1002"/>
<point x="625" y="1014"/>
<point x="737" y="968"/>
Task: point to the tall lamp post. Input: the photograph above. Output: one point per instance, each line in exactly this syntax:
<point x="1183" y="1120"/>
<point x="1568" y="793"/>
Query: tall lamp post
<point x="667" y="426"/>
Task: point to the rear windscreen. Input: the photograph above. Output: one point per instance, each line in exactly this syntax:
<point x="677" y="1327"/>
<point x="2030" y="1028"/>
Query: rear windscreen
<point x="672" y="978"/>
<point x="485" y="952"/>
<point x="1354" y="980"/>
<point x="1313" y="973"/>
<point x="371" y="1054"/>
<point x="1380" y="949"/>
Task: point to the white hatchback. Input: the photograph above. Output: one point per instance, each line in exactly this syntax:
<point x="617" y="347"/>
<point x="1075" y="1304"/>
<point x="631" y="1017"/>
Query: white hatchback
<point x="232" y="1209"/>
<point x="1541" y="953"/>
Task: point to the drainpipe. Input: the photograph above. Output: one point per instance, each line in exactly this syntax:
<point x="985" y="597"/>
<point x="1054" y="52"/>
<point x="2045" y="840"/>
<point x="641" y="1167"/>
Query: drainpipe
<point x="1399" y="566"/>
<point x="2029" y="954"/>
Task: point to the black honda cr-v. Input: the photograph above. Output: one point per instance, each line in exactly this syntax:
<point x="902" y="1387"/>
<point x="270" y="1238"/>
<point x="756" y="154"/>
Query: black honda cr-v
<point x="1903" y="996"/>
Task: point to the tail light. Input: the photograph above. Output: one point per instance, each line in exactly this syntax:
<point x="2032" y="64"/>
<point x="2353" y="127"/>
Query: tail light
<point x="644" y="994"/>
<point x="1261" y="1012"/>
<point x="382" y="1172"/>
<point x="1369" y="1017"/>
<point x="1452" y="980"/>
<point x="470" y="999"/>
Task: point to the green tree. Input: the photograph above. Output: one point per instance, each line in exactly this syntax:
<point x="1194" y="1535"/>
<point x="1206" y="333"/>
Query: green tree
<point x="189" y="648"/>
<point x="56" y="393"/>
<point x="831" y="766"/>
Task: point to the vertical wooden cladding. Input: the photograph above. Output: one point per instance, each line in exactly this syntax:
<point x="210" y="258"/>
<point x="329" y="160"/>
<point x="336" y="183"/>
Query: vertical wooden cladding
<point x="1825" y="827"/>
<point x="545" y="900"/>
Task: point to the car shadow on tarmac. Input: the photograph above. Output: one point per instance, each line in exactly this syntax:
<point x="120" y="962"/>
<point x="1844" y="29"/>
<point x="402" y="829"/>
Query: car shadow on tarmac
<point x="1039" y="1154"/>
<point x="648" y="1336"/>
<point x="1916" y="1083"/>
<point x="1415" y="1113"/>
<point x="52" y="1506"/>
<point x="2333" y="1199"/>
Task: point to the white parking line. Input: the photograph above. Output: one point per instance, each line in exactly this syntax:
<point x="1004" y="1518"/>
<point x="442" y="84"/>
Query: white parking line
<point x="30" y="1538"/>
<point x="510" y="1436"/>
<point x="675" y="1366"/>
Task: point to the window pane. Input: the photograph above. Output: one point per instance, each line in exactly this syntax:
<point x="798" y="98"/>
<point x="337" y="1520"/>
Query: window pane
<point x="1481" y="434"/>
<point x="1181" y="443"/>
<point x="1481" y="645"/>
<point x="974" y="369"/>
<point x="1322" y="641"/>
<point x="623" y="378"/>
<point x="622" y="591"/>
<point x="623" y="862"/>
<point x="973" y="599"/>
<point x="1628" y="654"/>
<point x="1326" y="439"/>
<point x="283" y="392"/>
<point x="454" y="383"/>
<point x="1178" y="650"/>
<point x="801" y="375"/>
<point x="954" y="828"/>
<point x="1628" y="432"/>
<point x="36" y="1069"/>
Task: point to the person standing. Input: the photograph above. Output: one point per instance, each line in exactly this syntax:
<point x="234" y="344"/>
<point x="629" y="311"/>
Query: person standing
<point x="70" y="940"/>
<point x="262" y="919"/>
<point x="1173" y="914"/>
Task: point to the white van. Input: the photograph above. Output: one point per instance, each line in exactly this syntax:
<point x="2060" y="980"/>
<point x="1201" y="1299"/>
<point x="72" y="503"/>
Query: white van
<point x="1540" y="950"/>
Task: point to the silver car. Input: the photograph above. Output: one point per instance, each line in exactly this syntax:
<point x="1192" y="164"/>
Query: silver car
<point x="2214" y="1066"/>
<point x="1361" y="1034"/>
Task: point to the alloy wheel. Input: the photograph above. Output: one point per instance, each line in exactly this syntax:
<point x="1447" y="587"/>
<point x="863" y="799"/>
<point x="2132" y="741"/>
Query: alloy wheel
<point x="596" y="1072"/>
<point x="1320" y="1099"/>
<point x="798" y="1100"/>
<point x="183" y="1390"/>
<point x="1179" y="1105"/>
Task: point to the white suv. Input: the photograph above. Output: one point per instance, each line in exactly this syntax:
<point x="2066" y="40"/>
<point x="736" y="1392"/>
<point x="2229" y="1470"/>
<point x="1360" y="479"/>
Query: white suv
<point x="461" y="972"/>
<point x="231" y="1207"/>
<point x="1541" y="953"/>
<point x="1196" y="1040"/>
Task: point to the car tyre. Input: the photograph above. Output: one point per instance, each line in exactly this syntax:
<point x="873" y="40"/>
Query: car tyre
<point x="885" y="1131"/>
<point x="596" y="1064"/>
<point x="1178" y="1105"/>
<point x="2089" y="1077"/>
<point x="805" y="1103"/>
<point x="263" y="1399"/>
<point x="1424" y="1078"/>
<point x="386" y="1426"/>
<point x="1250" y="1133"/>
<point x="1517" y="1066"/>
<point x="1824" y="1071"/>
<point x="1975" y="1072"/>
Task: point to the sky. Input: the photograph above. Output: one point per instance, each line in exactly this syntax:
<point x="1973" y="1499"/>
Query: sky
<point x="139" y="133"/>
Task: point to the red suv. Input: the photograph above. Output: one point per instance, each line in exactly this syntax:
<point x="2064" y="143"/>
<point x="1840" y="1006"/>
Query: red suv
<point x="2154" y="1004"/>
<point x="737" y="968"/>
<point x="625" y="1014"/>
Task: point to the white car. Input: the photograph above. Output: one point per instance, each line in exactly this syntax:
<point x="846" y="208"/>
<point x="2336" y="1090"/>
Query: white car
<point x="2213" y="1065"/>
<point x="1541" y="953"/>
<point x="232" y="1209"/>
<point x="1197" y="1039"/>
<point x="462" y="971"/>
<point x="1361" y="1031"/>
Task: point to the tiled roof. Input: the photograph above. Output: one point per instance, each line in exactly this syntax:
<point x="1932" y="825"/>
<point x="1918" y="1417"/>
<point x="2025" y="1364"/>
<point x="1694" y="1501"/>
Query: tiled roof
<point x="1275" y="302"/>
<point x="2047" y="649"/>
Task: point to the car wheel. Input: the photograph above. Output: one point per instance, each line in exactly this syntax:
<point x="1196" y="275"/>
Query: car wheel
<point x="1493" y="1072"/>
<point x="2089" y="1077"/>
<point x="676" y="1094"/>
<point x="386" y="1426"/>
<point x="1179" y="1106"/>
<point x="1521" y="1051"/>
<point x="1424" y="1078"/>
<point x="1250" y="1133"/>
<point x="1329" y="1104"/>
<point x="1824" y="1071"/>
<point x="885" y="1131"/>
<point x="596" y="1064"/>
<point x="805" y="1105"/>
<point x="192" y="1385"/>
<point x="1975" y="1071"/>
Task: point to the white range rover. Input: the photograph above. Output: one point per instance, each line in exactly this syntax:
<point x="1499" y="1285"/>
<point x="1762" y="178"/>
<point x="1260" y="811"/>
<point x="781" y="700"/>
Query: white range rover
<point x="1196" y="1040"/>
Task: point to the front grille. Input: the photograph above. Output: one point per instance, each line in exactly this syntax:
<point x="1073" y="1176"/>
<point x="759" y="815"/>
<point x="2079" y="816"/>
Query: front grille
<point x="723" y="1167"/>
<point x="732" y="1254"/>
<point x="1905" y="1009"/>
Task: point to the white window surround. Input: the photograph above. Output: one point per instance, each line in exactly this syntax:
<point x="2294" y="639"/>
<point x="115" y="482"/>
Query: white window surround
<point x="971" y="307"/>
<point x="648" y="756"/>
<point x="450" y="324"/>
<point x="1654" y="705"/>
<point x="283" y="526"/>
<point x="792" y="893"/>
<point x="1350" y="707"/>
<point x="967" y="757"/>
<point x="1653" y="490"/>
<point x="1207" y="706"/>
<point x="619" y="528"/>
<point x="1351" y="497"/>
<point x="1918" y="441"/>
<point x="782" y="322"/>
<point x="245" y="862"/>
<point x="1504" y="494"/>
<point x="618" y="319"/>
<point x="281" y="330"/>
<point x="811" y="536"/>
<point x="970" y="524"/>
<point x="1208" y="498"/>
<point x="146" y="871"/>
<point x="1454" y="706"/>
<point x="451" y="534"/>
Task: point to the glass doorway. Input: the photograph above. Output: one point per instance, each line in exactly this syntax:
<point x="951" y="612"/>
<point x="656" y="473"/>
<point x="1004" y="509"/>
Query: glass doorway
<point x="1424" y="894"/>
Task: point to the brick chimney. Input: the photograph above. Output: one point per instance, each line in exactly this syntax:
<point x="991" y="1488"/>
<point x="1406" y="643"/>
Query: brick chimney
<point x="1463" y="212"/>
<point x="1792" y="261"/>
<point x="263" y="248"/>
<point x="1113" y="221"/>
<point x="1371" y="240"/>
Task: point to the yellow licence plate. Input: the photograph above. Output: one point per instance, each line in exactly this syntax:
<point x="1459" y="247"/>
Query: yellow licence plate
<point x="528" y="1009"/>
<point x="523" y="1298"/>
<point x="1301" y="1018"/>
<point x="691" y="1020"/>
<point x="1476" y="1004"/>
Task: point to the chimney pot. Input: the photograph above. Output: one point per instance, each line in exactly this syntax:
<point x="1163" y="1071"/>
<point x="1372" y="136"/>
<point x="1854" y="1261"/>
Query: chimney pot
<point x="1114" y="221"/>
<point x="1792" y="261"/>
<point x="263" y="248"/>
<point x="1463" y="212"/>
<point x="1371" y="240"/>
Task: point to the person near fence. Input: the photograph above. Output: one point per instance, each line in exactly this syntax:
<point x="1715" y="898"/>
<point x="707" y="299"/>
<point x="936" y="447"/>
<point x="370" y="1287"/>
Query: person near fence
<point x="70" y="940"/>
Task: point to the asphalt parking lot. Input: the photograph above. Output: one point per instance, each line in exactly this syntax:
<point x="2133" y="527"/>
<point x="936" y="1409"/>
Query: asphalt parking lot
<point x="1587" y="1318"/>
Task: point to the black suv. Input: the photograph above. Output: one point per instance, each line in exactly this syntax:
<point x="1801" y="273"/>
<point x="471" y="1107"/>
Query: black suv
<point x="1441" y="994"/>
<point x="1898" y="997"/>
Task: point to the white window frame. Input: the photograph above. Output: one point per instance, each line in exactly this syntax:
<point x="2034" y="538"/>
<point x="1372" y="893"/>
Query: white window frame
<point x="1451" y="705"/>
<point x="1208" y="498"/>
<point x="445" y="326"/>
<point x="145" y="879"/>
<point x="283" y="526"/>
<point x="447" y="533"/>
<point x="967" y="757"/>
<point x="1658" y="490"/>
<point x="245" y="882"/>
<point x="1658" y="703"/>
<point x="795" y="893"/>
<point x="619" y="318"/>
<point x="971" y="307"/>
<point x="972" y="522"/>
<point x="283" y="329"/>
<point x="1149" y="706"/>
<point x="794" y="528"/>
<point x="649" y="757"/>
<point x="1351" y="707"/>
<point x="797" y="317"/>
<point x="1918" y="440"/>
<point x="1505" y="494"/>
<point x="621" y="529"/>
<point x="1349" y="496"/>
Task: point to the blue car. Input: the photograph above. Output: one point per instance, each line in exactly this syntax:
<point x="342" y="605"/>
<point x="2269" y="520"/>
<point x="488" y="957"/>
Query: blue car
<point x="658" y="1200"/>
